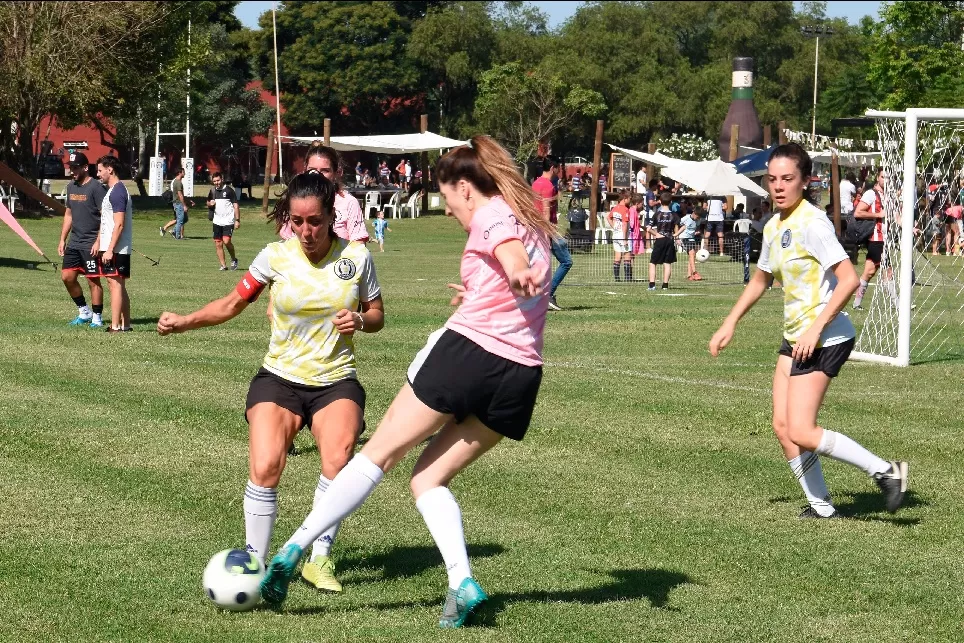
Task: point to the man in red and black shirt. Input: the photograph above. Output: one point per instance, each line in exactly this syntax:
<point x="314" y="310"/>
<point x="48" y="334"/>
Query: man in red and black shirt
<point x="871" y="207"/>
<point x="548" y="203"/>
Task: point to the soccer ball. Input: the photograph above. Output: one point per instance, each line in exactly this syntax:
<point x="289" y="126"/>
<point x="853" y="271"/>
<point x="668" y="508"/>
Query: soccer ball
<point x="232" y="580"/>
<point x="702" y="255"/>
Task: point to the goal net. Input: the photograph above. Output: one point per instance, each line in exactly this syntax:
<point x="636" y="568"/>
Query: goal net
<point x="916" y="301"/>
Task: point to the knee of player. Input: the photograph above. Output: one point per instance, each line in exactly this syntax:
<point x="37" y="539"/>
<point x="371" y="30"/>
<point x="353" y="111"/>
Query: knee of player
<point x="421" y="482"/>
<point x="799" y="429"/>
<point x="781" y="428"/>
<point x="266" y="468"/>
<point x="334" y="457"/>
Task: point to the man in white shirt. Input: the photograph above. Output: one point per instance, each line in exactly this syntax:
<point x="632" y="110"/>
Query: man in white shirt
<point x="847" y="192"/>
<point x="714" y="222"/>
<point x="114" y="241"/>
<point x="641" y="183"/>
<point x="226" y="217"/>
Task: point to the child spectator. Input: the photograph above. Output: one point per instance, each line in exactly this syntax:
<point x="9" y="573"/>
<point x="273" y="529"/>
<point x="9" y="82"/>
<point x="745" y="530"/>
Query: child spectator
<point x="665" y="228"/>
<point x="635" y="218"/>
<point x="381" y="225"/>
<point x="689" y="233"/>
<point x="619" y="222"/>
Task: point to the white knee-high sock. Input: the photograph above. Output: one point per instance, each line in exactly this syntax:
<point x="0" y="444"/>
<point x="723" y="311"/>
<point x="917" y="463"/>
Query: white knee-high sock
<point x="443" y="518"/>
<point x="260" y="511"/>
<point x="806" y="467"/>
<point x="839" y="447"/>
<point x="345" y="494"/>
<point x="322" y="546"/>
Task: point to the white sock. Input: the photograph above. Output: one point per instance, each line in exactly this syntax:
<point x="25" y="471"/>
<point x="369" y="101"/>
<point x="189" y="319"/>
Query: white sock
<point x="97" y="318"/>
<point x="84" y="311"/>
<point x="443" y="518"/>
<point x="345" y="494"/>
<point x="806" y="467"/>
<point x="839" y="447"/>
<point x="260" y="511"/>
<point x="859" y="297"/>
<point x="322" y="546"/>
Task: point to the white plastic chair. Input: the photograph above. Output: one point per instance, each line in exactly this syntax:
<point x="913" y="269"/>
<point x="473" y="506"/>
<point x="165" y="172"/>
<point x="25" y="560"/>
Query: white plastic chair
<point x="10" y="196"/>
<point x="412" y="205"/>
<point x="373" y="200"/>
<point x="393" y="206"/>
<point x="742" y="226"/>
<point x="604" y="232"/>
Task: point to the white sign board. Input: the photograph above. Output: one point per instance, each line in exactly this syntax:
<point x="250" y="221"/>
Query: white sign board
<point x="188" y="164"/>
<point x="156" y="178"/>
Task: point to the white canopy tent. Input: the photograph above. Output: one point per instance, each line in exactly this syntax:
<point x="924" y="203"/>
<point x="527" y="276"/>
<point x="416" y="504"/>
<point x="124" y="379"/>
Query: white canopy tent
<point x="713" y="178"/>
<point x="847" y="159"/>
<point x="657" y="159"/>
<point x="386" y="143"/>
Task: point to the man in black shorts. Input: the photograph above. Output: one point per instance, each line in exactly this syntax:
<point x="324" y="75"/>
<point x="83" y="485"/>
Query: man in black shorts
<point x="664" y="228"/>
<point x="225" y="214"/>
<point x="871" y="207"/>
<point x="82" y="222"/>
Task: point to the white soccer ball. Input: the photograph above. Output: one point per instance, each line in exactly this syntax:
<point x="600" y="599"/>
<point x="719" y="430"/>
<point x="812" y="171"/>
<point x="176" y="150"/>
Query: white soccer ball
<point x="702" y="255"/>
<point x="232" y="580"/>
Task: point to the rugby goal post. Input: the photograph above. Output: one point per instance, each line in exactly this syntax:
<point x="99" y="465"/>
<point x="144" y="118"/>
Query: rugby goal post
<point x="916" y="310"/>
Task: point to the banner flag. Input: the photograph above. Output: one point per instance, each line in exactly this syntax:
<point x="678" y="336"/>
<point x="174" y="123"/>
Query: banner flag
<point x="7" y="218"/>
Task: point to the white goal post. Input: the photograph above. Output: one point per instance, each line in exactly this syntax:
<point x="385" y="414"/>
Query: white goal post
<point x="916" y="310"/>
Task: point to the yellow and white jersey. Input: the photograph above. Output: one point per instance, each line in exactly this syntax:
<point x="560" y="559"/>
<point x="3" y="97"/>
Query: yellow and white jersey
<point x="305" y="347"/>
<point x="800" y="251"/>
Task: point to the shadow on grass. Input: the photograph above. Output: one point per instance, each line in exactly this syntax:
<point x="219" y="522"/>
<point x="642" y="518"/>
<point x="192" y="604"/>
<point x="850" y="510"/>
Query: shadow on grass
<point x="38" y="264"/>
<point x="145" y="320"/>
<point x="408" y="561"/>
<point x="867" y="505"/>
<point x="569" y="309"/>
<point x="654" y="585"/>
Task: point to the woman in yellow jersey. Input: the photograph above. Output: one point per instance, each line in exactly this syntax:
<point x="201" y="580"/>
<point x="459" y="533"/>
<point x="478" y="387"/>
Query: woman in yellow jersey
<point x="317" y="281"/>
<point x="801" y="251"/>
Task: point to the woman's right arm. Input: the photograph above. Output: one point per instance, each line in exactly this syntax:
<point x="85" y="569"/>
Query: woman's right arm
<point x="751" y="294"/>
<point x="217" y="312"/>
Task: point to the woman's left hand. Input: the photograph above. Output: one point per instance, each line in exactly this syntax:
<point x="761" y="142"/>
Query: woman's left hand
<point x="806" y="345"/>
<point x="525" y="283"/>
<point x="346" y="322"/>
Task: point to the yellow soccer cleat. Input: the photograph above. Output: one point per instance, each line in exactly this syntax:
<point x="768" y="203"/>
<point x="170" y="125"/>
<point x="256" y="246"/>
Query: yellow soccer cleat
<point x="320" y="572"/>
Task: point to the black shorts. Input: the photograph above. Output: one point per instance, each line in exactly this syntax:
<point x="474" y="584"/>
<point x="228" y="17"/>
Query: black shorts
<point x="119" y="266"/>
<point x="301" y="399"/>
<point x="690" y="245"/>
<point x="875" y="251"/>
<point x="828" y="359"/>
<point x="221" y="231"/>
<point x="81" y="261"/>
<point x="714" y="227"/>
<point x="664" y="251"/>
<point x="453" y="374"/>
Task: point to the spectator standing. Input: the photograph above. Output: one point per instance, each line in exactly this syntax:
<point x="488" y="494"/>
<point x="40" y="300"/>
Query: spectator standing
<point x="81" y="223"/>
<point x="114" y="242"/>
<point x="400" y="170"/>
<point x="848" y="190"/>
<point x="689" y="228"/>
<point x="575" y="182"/>
<point x="408" y="174"/>
<point x="714" y="223"/>
<point x="871" y="207"/>
<point x="641" y="183"/>
<point x="549" y="206"/>
<point x="380" y="225"/>
<point x="665" y="227"/>
<point x="359" y="173"/>
<point x="180" y="206"/>
<point x="225" y="216"/>
<point x="619" y="222"/>
<point x="384" y="173"/>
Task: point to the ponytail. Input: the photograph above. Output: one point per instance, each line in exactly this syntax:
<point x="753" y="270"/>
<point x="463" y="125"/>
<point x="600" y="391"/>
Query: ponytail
<point x="488" y="167"/>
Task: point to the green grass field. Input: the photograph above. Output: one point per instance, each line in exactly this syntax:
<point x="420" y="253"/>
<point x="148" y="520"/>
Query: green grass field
<point x="649" y="501"/>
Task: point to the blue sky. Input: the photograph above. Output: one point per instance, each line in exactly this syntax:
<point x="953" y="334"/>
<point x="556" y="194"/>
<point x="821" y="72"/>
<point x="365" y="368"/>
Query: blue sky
<point x="559" y="10"/>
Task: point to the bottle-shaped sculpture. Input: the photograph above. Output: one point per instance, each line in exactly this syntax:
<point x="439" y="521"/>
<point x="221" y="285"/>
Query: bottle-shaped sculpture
<point x="741" y="112"/>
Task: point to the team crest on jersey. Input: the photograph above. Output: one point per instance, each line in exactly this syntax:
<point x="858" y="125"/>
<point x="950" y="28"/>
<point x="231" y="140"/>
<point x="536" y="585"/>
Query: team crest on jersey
<point x="345" y="269"/>
<point x="785" y="239"/>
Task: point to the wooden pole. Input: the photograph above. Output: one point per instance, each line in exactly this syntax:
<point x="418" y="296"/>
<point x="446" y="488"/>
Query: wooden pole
<point x="767" y="141"/>
<point x="782" y="125"/>
<point x="596" y="167"/>
<point x="268" y="160"/>
<point x="650" y="169"/>
<point x="423" y="165"/>
<point x="734" y="154"/>
<point x="327" y="132"/>
<point x="835" y="190"/>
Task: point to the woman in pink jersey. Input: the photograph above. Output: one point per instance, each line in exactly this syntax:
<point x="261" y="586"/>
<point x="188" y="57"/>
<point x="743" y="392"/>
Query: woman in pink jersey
<point x="349" y="219"/>
<point x="475" y="382"/>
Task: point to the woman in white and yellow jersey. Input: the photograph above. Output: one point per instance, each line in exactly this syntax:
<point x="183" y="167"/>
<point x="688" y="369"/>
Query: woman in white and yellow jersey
<point x="317" y="281"/>
<point x="801" y="251"/>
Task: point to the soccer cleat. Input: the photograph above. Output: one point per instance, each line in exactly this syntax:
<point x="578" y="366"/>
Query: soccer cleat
<point x="651" y="288"/>
<point x="222" y="268"/>
<point x="96" y="324"/>
<point x="553" y="305"/>
<point x="163" y="231"/>
<point x="320" y="572"/>
<point x="811" y="514"/>
<point x="461" y="603"/>
<point x="81" y="321"/>
<point x="274" y="586"/>
<point x="893" y="484"/>
<point x="234" y="264"/>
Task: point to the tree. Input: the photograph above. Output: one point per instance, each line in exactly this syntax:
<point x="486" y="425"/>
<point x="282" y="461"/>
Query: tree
<point x="47" y="45"/>
<point x="345" y="61"/>
<point x="522" y="108"/>
<point x="915" y="57"/>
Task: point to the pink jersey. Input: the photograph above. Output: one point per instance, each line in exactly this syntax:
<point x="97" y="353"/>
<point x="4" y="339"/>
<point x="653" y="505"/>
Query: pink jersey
<point x="491" y="315"/>
<point x="349" y="220"/>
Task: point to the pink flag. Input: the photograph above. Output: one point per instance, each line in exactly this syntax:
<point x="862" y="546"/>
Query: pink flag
<point x="7" y="218"/>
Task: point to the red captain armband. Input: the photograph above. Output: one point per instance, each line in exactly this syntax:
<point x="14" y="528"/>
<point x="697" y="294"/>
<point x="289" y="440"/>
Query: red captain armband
<point x="249" y="288"/>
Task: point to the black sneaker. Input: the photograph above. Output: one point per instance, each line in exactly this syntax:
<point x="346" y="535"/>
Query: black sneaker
<point x="811" y="513"/>
<point x="553" y="305"/>
<point x="893" y="484"/>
